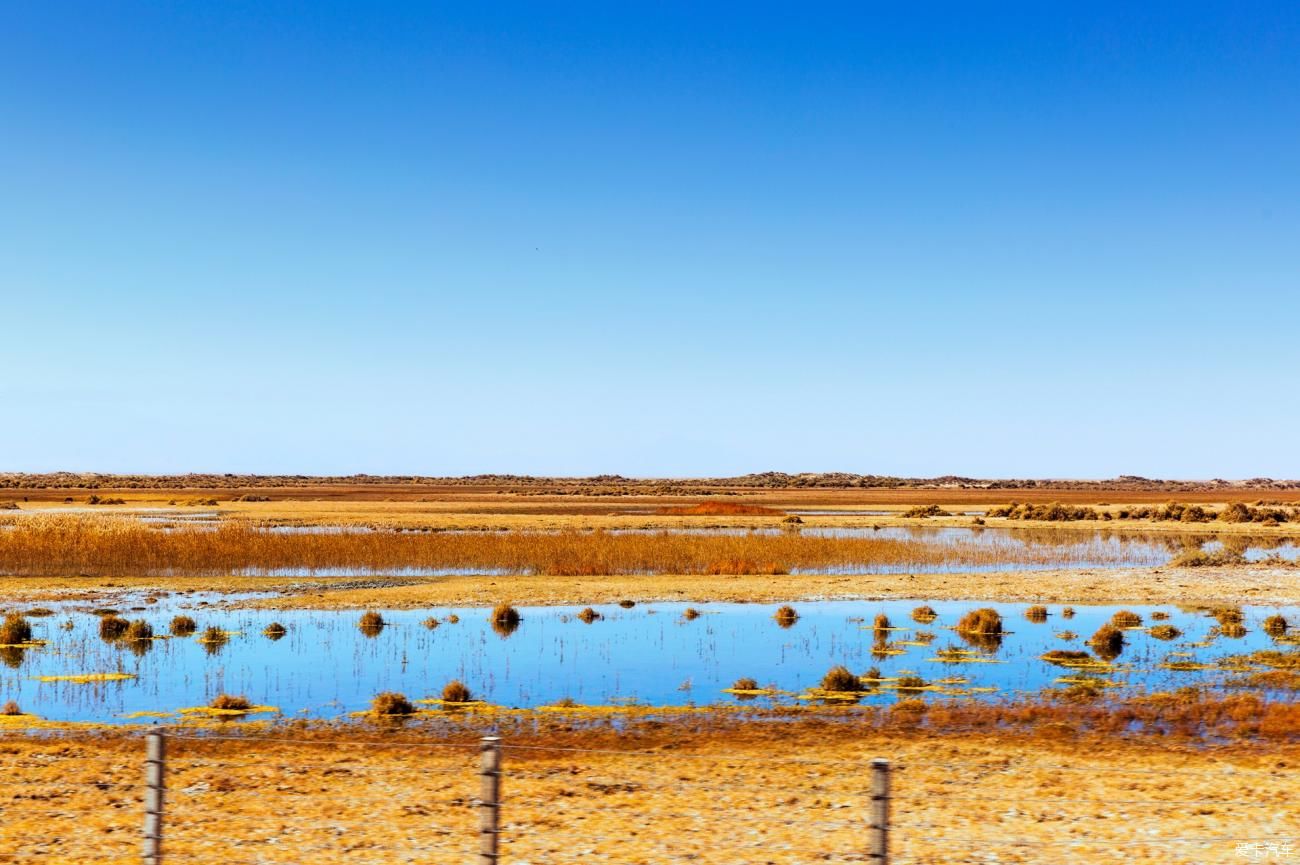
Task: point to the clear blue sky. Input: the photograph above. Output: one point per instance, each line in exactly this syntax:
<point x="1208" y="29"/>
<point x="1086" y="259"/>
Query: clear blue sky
<point x="1041" y="239"/>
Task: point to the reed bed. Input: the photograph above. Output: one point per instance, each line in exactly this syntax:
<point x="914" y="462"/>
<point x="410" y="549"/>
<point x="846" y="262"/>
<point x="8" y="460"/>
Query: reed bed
<point x="100" y="546"/>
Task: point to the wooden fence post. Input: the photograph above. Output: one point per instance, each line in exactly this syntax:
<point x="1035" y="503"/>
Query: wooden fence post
<point x="879" y="837"/>
<point x="155" y="753"/>
<point x="489" y="800"/>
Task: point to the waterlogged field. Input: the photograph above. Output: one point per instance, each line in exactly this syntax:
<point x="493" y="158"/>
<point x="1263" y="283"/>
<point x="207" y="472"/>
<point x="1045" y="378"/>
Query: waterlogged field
<point x="324" y="665"/>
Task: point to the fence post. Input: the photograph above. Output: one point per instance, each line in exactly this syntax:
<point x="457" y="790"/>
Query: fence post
<point x="879" y="836"/>
<point x="155" y="752"/>
<point x="489" y="800"/>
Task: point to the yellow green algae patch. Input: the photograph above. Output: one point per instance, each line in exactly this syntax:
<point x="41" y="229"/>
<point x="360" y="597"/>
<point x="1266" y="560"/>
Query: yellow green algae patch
<point x="86" y="678"/>
<point x="752" y="692"/>
<point x="29" y="644"/>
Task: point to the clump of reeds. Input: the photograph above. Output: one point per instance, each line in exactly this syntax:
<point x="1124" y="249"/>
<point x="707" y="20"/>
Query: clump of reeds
<point x="11" y="709"/>
<point x="1066" y="657"/>
<point x="1036" y="613"/>
<point x="793" y="520"/>
<point x="1165" y="632"/>
<point x="1108" y="641"/>
<point x="231" y="702"/>
<point x="911" y="683"/>
<point x="1202" y="559"/>
<point x="15" y="629"/>
<point x="1275" y="626"/>
<point x="786" y="616"/>
<point x="922" y="512"/>
<point x="371" y="623"/>
<point x="1067" y="612"/>
<point x="1126" y="619"/>
<point x="588" y="615"/>
<point x="984" y="620"/>
<point x="839" y="678"/>
<point x="138" y="630"/>
<point x="391" y="704"/>
<point x="1159" y="616"/>
<point x="690" y="614"/>
<point x="924" y="614"/>
<point x="212" y="635"/>
<point x="1227" y="615"/>
<point x="505" y="614"/>
<point x="431" y="623"/>
<point x="113" y="627"/>
<point x="183" y="626"/>
<point x="274" y="631"/>
<point x="453" y="619"/>
<point x="881" y="623"/>
<point x="456" y="691"/>
<point x="39" y="612"/>
<point x="745" y="684"/>
<point x="626" y="604"/>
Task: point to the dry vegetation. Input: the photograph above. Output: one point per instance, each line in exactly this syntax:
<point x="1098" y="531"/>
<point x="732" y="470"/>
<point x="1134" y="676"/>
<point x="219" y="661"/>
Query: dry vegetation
<point x="701" y="788"/>
<point x="62" y="545"/>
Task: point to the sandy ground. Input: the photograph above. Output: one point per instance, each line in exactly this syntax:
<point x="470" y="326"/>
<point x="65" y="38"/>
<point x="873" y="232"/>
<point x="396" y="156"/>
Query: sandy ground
<point x="1254" y="585"/>
<point x="787" y="792"/>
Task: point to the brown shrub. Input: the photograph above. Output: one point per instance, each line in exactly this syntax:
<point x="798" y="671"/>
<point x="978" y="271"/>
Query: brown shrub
<point x="183" y="626"/>
<point x="690" y="614"/>
<point x="113" y="627"/>
<point x="274" y="631"/>
<point x="924" y="614"/>
<point x="984" y="620"/>
<point x="15" y="629"/>
<point x="1126" y="619"/>
<point x="1108" y="642"/>
<point x="11" y="709"/>
<point x="139" y="630"/>
<point x="838" y="678"/>
<point x="1036" y="613"/>
<point x="881" y="623"/>
<point x="231" y="702"/>
<point x="786" y="616"/>
<point x="588" y="615"/>
<point x="371" y="623"/>
<point x="1275" y="626"/>
<point x="455" y="691"/>
<point x="391" y="704"/>
<point x="745" y="684"/>
<point x="1165" y="632"/>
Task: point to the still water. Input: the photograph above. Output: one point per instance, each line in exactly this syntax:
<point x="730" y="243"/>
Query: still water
<point x="325" y="667"/>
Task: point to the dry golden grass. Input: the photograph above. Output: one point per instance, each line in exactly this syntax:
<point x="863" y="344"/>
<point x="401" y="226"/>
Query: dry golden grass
<point x="698" y="789"/>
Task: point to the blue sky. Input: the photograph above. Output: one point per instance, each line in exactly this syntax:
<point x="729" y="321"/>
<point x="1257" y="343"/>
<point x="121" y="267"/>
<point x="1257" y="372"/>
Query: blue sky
<point x="656" y="239"/>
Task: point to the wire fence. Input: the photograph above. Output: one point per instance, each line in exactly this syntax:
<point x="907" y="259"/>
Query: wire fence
<point x="187" y="804"/>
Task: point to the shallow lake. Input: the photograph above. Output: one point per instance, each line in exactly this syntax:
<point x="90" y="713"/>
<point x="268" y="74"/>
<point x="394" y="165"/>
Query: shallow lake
<point x="325" y="666"/>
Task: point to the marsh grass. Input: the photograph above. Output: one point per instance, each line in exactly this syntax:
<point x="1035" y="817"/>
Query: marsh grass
<point x="15" y="629"/>
<point x="588" y="615"/>
<point x="274" y="631"/>
<point x="839" y="678"/>
<point x="230" y="702"/>
<point x="881" y="623"/>
<point x="1036" y="613"/>
<point x="1107" y="642"/>
<point x="745" y="684"/>
<point x="106" y="545"/>
<point x="786" y="616"/>
<point x="924" y="614"/>
<point x="1275" y="626"/>
<point x="1164" y="632"/>
<point x="1126" y="619"/>
<point x="456" y="691"/>
<point x="690" y="614"/>
<point x="112" y="627"/>
<point x="391" y="704"/>
<point x="11" y="709"/>
<point x="183" y="626"/>
<point x="371" y="623"/>
<point x="138" y="630"/>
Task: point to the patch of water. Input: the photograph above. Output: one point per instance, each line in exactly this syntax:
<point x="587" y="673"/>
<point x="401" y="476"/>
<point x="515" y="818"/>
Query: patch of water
<point x="325" y="667"/>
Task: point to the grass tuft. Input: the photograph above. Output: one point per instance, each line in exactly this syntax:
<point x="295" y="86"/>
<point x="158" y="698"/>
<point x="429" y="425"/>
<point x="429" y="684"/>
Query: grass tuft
<point x="183" y="626"/>
<point x="391" y="704"/>
<point x="456" y="691"/>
